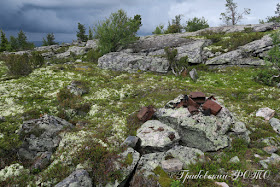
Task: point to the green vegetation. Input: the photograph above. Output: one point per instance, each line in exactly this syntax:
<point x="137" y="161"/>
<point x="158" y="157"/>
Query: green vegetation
<point x="81" y="33"/>
<point x="50" y="40"/>
<point x="231" y="16"/>
<point x="112" y="97"/>
<point x="93" y="55"/>
<point x="230" y="41"/>
<point x="4" y="42"/>
<point x="22" y="65"/>
<point x="159" y="29"/>
<point x="117" y="31"/>
<point x="177" y="66"/>
<point x="175" y="25"/>
<point x="90" y="34"/>
<point x="196" y="24"/>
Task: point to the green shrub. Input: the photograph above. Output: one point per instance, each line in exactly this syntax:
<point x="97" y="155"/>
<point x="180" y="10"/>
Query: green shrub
<point x="159" y="30"/>
<point x="68" y="100"/>
<point x="265" y="76"/>
<point x="274" y="53"/>
<point x="196" y="24"/>
<point x="93" y="55"/>
<point x="175" y="25"/>
<point x="22" y="65"/>
<point x="177" y="66"/>
<point x="117" y="31"/>
<point x="100" y="159"/>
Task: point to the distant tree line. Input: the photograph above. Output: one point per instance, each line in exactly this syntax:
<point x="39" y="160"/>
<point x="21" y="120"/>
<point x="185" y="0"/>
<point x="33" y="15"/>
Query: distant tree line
<point x="15" y="43"/>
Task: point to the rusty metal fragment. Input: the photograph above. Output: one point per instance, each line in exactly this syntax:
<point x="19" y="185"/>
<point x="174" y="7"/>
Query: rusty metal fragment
<point x="193" y="110"/>
<point x="191" y="102"/>
<point x="213" y="106"/>
<point x="146" y="113"/>
<point x="198" y="97"/>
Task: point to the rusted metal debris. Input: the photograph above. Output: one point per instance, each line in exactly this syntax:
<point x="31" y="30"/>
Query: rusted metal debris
<point x="193" y="110"/>
<point x="146" y="113"/>
<point x="195" y="99"/>
<point x="213" y="106"/>
<point x="198" y="97"/>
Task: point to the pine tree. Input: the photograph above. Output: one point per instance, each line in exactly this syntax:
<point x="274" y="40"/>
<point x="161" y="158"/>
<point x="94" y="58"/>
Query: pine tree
<point x="90" y="34"/>
<point x="50" y="40"/>
<point x="22" y="40"/>
<point x="14" y="43"/>
<point x="4" y="42"/>
<point x="81" y="33"/>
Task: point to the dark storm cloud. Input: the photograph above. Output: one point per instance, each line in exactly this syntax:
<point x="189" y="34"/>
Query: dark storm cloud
<point x="62" y="16"/>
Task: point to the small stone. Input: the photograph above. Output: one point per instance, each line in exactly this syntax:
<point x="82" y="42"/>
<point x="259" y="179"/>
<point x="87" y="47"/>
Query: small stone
<point x="79" y="60"/>
<point x="131" y="141"/>
<point x="275" y="123"/>
<point x="234" y="160"/>
<point x="193" y="74"/>
<point x="266" y="113"/>
<point x="172" y="165"/>
<point x="257" y="156"/>
<point x="278" y="85"/>
<point x="222" y="184"/>
<point x="270" y="149"/>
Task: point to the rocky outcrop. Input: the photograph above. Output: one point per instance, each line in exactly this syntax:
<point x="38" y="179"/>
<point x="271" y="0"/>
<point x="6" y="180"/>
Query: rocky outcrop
<point x="149" y="51"/>
<point x="240" y="28"/>
<point x="76" y="50"/>
<point x="131" y="62"/>
<point x="79" y="178"/>
<point x="40" y="136"/>
<point x="275" y="123"/>
<point x="245" y="55"/>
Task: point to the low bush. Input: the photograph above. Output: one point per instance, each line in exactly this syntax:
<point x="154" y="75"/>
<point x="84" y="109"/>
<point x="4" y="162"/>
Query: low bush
<point x="265" y="76"/>
<point x="177" y="66"/>
<point x="93" y="55"/>
<point x="22" y="65"/>
<point x="196" y="24"/>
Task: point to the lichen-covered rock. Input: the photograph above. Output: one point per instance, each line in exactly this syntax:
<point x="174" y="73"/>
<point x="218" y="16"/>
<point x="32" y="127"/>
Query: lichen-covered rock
<point x="186" y="155"/>
<point x="41" y="135"/>
<point x="149" y="162"/>
<point x="74" y="49"/>
<point x="79" y="178"/>
<point x="42" y="161"/>
<point x="92" y="44"/>
<point x="234" y="160"/>
<point x="207" y="133"/>
<point x="126" y="162"/>
<point x="156" y="136"/>
<point x="193" y="74"/>
<point x="131" y="62"/>
<point x="275" y="123"/>
<point x="77" y="88"/>
<point x="172" y="165"/>
<point x="131" y="141"/>
<point x="273" y="159"/>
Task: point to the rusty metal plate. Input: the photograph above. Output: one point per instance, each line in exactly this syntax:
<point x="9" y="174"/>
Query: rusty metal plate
<point x="193" y="110"/>
<point x="192" y="103"/>
<point x="213" y="106"/>
<point x="197" y="95"/>
<point x="146" y="113"/>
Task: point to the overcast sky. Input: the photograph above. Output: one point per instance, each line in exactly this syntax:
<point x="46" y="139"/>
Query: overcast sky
<point x="38" y="17"/>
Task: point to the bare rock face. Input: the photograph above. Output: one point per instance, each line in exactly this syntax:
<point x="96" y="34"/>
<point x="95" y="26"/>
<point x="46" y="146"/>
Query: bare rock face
<point x="131" y="62"/>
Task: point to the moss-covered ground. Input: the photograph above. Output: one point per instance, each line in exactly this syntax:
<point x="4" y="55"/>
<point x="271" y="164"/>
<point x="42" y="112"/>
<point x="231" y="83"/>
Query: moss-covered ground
<point x="113" y="97"/>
